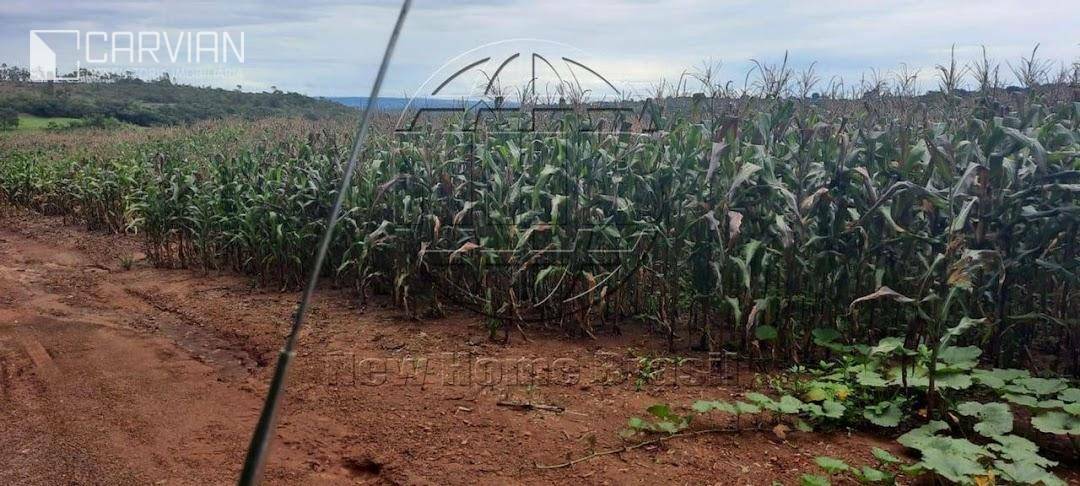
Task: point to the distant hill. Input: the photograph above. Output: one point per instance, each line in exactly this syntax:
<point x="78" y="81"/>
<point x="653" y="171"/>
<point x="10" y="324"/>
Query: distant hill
<point x="158" y="102"/>
<point x="392" y="104"/>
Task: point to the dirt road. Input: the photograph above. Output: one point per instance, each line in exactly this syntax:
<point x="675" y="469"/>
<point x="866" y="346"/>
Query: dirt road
<point x="111" y="375"/>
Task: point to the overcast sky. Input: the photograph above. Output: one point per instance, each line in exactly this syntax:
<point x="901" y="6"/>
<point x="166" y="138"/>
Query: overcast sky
<point x="332" y="47"/>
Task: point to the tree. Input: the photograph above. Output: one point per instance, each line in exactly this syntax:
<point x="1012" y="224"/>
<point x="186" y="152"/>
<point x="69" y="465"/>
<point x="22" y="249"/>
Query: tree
<point x="9" y="119"/>
<point x="13" y="73"/>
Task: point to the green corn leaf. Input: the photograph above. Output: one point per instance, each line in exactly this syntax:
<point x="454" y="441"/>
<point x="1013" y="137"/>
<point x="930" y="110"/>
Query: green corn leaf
<point x="994" y="418"/>
<point x="813" y="480"/>
<point x="1059" y="423"/>
<point x="884" y="414"/>
<point x="885" y="456"/>
<point x="831" y="465"/>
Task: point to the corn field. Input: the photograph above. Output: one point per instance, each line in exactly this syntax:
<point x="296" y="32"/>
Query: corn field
<point x="746" y="225"/>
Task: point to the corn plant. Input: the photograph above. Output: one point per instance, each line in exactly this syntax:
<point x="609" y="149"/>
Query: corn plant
<point x="749" y="224"/>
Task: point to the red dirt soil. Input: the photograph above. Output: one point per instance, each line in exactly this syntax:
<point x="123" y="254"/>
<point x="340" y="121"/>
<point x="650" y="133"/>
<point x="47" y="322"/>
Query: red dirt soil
<point x="154" y="376"/>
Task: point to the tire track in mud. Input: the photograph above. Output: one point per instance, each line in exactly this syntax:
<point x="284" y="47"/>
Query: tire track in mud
<point x="106" y="377"/>
<point x="235" y="358"/>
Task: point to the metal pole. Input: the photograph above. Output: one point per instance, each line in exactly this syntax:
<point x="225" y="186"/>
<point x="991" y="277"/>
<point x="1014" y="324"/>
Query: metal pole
<point x="260" y="441"/>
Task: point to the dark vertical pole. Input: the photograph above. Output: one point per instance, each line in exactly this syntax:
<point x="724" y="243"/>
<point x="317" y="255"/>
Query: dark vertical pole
<point x="260" y="441"/>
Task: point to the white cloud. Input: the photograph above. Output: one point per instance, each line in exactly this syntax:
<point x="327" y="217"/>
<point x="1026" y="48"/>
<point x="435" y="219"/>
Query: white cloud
<point x="331" y="47"/>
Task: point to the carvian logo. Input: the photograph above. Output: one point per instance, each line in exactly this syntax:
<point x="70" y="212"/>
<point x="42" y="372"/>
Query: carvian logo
<point x="43" y="59"/>
<point x="67" y="55"/>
